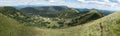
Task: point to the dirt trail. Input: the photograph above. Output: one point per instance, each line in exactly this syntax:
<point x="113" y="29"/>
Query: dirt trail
<point x="101" y="29"/>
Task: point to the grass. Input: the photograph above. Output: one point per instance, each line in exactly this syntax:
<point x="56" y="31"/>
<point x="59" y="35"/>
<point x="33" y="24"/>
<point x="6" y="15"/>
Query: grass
<point x="10" y="27"/>
<point x="110" y="23"/>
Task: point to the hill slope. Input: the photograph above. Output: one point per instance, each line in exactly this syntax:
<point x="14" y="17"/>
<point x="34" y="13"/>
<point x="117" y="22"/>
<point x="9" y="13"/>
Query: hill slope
<point x="110" y="24"/>
<point x="90" y="16"/>
<point x="10" y="27"/>
<point x="13" y="13"/>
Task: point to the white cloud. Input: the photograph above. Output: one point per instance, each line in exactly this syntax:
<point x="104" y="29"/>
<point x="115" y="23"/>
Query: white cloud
<point x="51" y="1"/>
<point x="104" y="4"/>
<point x="107" y="1"/>
<point x="20" y="2"/>
<point x="81" y="1"/>
<point x="118" y="1"/>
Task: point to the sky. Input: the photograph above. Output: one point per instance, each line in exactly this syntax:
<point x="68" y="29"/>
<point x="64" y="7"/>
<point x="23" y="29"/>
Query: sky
<point x="97" y="4"/>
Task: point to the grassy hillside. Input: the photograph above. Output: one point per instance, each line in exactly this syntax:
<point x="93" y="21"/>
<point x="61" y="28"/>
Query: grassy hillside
<point x="90" y="16"/>
<point x="13" y="13"/>
<point x="10" y="27"/>
<point x="110" y="27"/>
<point x="11" y="18"/>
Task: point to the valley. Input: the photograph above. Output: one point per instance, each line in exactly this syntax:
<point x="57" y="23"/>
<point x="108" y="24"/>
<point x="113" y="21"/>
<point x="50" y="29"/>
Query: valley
<point x="57" y="21"/>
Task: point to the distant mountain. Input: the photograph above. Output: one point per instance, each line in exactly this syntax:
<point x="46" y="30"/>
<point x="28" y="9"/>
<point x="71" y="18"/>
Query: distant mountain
<point x="105" y="12"/>
<point x="46" y="11"/>
<point x="82" y="9"/>
<point x="30" y="11"/>
<point x="52" y="8"/>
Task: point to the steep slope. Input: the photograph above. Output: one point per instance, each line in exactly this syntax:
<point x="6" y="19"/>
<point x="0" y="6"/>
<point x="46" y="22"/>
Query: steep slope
<point x="90" y="16"/>
<point x="10" y="27"/>
<point x="110" y="27"/>
<point x="13" y="13"/>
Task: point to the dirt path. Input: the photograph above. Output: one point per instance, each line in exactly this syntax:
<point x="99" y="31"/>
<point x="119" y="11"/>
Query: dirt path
<point x="101" y="29"/>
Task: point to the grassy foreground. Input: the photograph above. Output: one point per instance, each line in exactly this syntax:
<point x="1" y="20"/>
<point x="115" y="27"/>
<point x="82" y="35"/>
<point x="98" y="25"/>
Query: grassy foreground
<point x="10" y="27"/>
<point x="110" y="24"/>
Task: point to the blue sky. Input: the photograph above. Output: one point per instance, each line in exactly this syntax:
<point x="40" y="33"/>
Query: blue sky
<point x="98" y="4"/>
